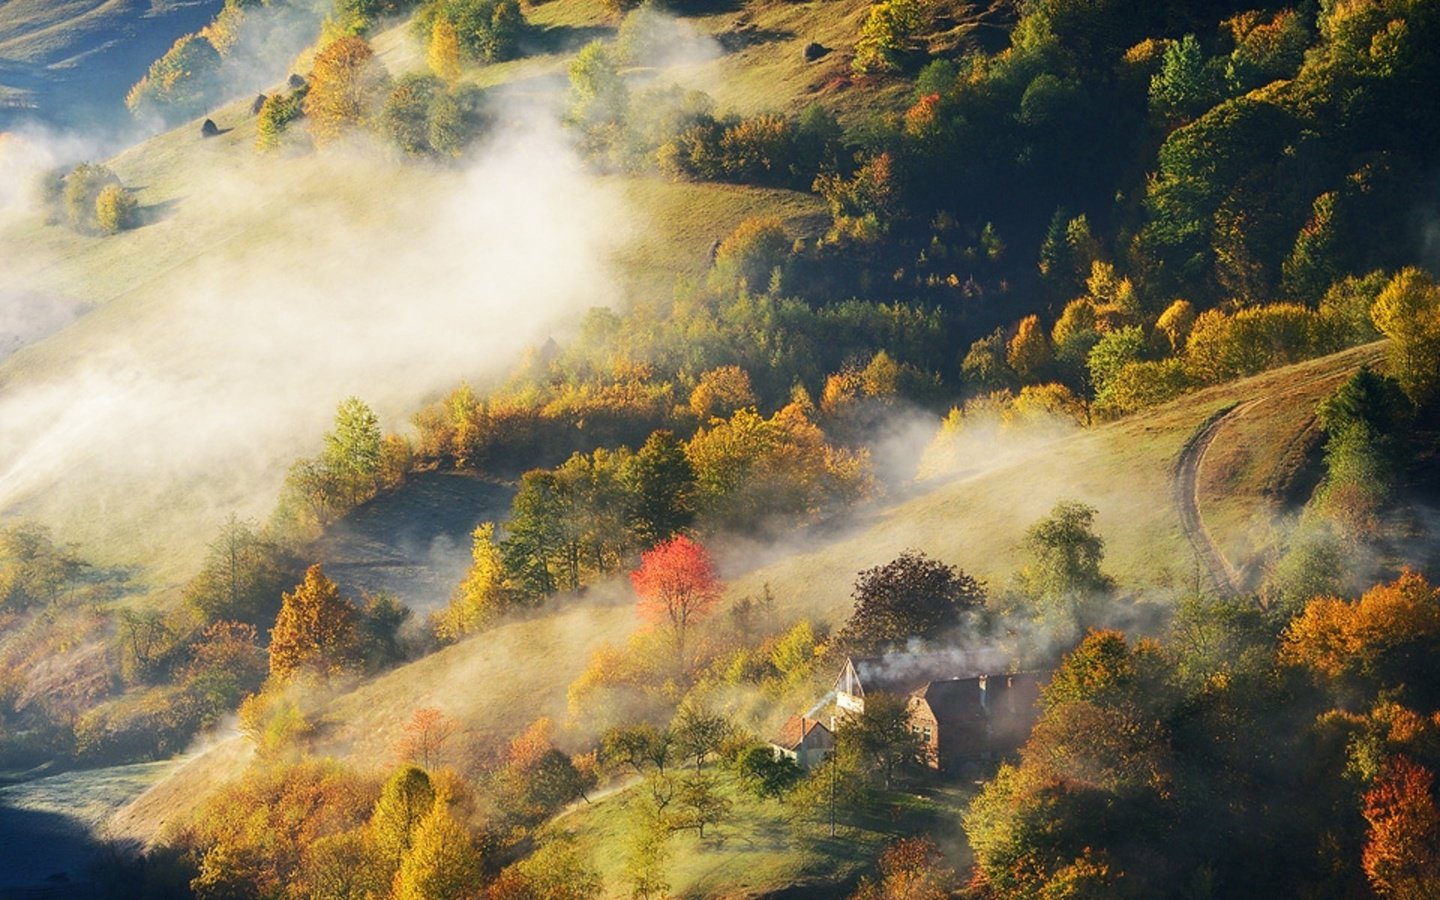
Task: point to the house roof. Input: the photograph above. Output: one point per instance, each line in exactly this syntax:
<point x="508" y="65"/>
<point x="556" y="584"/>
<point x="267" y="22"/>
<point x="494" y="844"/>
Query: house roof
<point x="796" y="729"/>
<point x="953" y="701"/>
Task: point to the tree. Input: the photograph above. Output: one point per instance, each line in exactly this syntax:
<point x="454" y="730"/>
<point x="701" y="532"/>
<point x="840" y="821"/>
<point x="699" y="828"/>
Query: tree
<point x="720" y="392"/>
<point x="699" y="734"/>
<point x="407" y="797"/>
<point x="116" y="209"/>
<point x="352" y="449"/>
<point x="700" y="803"/>
<point x="180" y="83"/>
<point x="554" y="780"/>
<point x="276" y="114"/>
<point x="881" y="737"/>
<point x="637" y="747"/>
<point x="766" y="775"/>
<point x="346" y="86"/>
<point x="659" y="485"/>
<point x="1112" y="353"/>
<point x="442" y="862"/>
<point x="1175" y="324"/>
<point x="598" y="95"/>
<point x="405" y="117"/>
<point x="542" y="548"/>
<point x="677" y="586"/>
<point x="910" y="869"/>
<point x="423" y="738"/>
<point x="1063" y="574"/>
<point x="749" y="253"/>
<point x="1028" y="353"/>
<point x="243" y="576"/>
<point x="1408" y="313"/>
<point x="83" y="187"/>
<point x="888" y="35"/>
<point x="316" y="630"/>
<point x="912" y="596"/>
<point x="443" y="54"/>
<point x="1402" y="855"/>
<point x="1186" y="85"/>
<point x="483" y="596"/>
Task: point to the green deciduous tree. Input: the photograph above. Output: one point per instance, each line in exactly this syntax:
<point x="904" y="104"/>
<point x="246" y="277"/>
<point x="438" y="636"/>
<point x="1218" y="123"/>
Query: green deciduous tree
<point x="1063" y="573"/>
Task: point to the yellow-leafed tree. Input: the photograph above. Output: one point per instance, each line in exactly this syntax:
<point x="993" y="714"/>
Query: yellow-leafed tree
<point x="317" y="629"/>
<point x="346" y="86"/>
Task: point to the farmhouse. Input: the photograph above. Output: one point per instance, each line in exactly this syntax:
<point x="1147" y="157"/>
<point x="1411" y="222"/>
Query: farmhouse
<point x="958" y="717"/>
<point x="805" y="740"/>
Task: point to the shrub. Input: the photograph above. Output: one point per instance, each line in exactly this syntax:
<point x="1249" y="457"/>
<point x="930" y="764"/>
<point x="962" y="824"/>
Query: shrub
<point x="276" y="114"/>
<point x="82" y="190"/>
<point x="751" y="252"/>
<point x="116" y="209"/>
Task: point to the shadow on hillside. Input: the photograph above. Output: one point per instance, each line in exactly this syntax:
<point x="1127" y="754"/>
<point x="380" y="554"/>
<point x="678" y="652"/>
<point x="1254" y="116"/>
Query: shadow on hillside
<point x="562" y="38"/>
<point x="45" y="855"/>
<point x="743" y="37"/>
<point x="413" y="542"/>
<point x="151" y="213"/>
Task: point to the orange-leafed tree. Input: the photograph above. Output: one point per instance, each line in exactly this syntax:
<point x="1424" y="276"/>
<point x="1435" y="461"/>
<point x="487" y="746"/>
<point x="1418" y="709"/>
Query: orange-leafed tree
<point x="677" y="585"/>
<point x="423" y="737"/>
<point x="317" y="629"/>
<point x="1402" y="855"/>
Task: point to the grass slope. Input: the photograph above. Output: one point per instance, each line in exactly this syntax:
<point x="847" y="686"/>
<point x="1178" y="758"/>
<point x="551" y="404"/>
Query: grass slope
<point x="69" y="63"/>
<point x="497" y="682"/>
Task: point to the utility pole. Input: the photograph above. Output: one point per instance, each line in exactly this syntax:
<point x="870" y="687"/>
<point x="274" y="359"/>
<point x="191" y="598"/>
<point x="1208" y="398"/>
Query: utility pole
<point x="832" y="795"/>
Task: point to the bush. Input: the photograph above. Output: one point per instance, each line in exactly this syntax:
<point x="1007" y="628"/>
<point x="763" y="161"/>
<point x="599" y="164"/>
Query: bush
<point x="751" y="252"/>
<point x="116" y="209"/>
<point x="276" y="114"/>
<point x="82" y="191"/>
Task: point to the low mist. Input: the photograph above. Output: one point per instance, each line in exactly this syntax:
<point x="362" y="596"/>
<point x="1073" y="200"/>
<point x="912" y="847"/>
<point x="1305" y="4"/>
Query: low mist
<point x="191" y="392"/>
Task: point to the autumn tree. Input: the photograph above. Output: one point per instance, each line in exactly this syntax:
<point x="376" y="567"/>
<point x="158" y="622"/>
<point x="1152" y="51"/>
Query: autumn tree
<point x="423" y="737"/>
<point x="888" y="35"/>
<point x="406" y="798"/>
<point x="442" y="861"/>
<point x="317" y="630"/>
<point x="912" y="596"/>
<point x="912" y="868"/>
<point x="116" y="209"/>
<point x="484" y="593"/>
<point x="443" y="54"/>
<point x="677" y="586"/>
<point x="749" y="253"/>
<point x="346" y="86"/>
<point x="1028" y="354"/>
<point x="598" y="95"/>
<point x="1402" y="855"/>
<point x="1383" y="640"/>
<point x="1408" y="313"/>
<point x="556" y="871"/>
<point x="720" y="392"/>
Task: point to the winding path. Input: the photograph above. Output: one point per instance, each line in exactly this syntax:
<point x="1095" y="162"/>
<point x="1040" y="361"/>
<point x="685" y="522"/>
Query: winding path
<point x="1185" y="482"/>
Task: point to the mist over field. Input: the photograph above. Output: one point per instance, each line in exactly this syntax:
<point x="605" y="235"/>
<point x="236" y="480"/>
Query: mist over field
<point x="222" y="380"/>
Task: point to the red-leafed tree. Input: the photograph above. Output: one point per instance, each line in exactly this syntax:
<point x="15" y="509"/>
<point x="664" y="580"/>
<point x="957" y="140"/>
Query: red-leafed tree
<point x="677" y="585"/>
<point x="1401" y="856"/>
<point x="424" y="736"/>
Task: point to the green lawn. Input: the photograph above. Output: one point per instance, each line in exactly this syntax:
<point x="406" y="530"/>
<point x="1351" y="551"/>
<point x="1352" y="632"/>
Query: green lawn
<point x="763" y="845"/>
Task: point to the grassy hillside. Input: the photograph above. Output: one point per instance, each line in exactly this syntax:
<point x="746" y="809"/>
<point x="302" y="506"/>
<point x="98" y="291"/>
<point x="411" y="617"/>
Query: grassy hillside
<point x="498" y="681"/>
<point x="229" y="234"/>
<point x="69" y="63"/>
